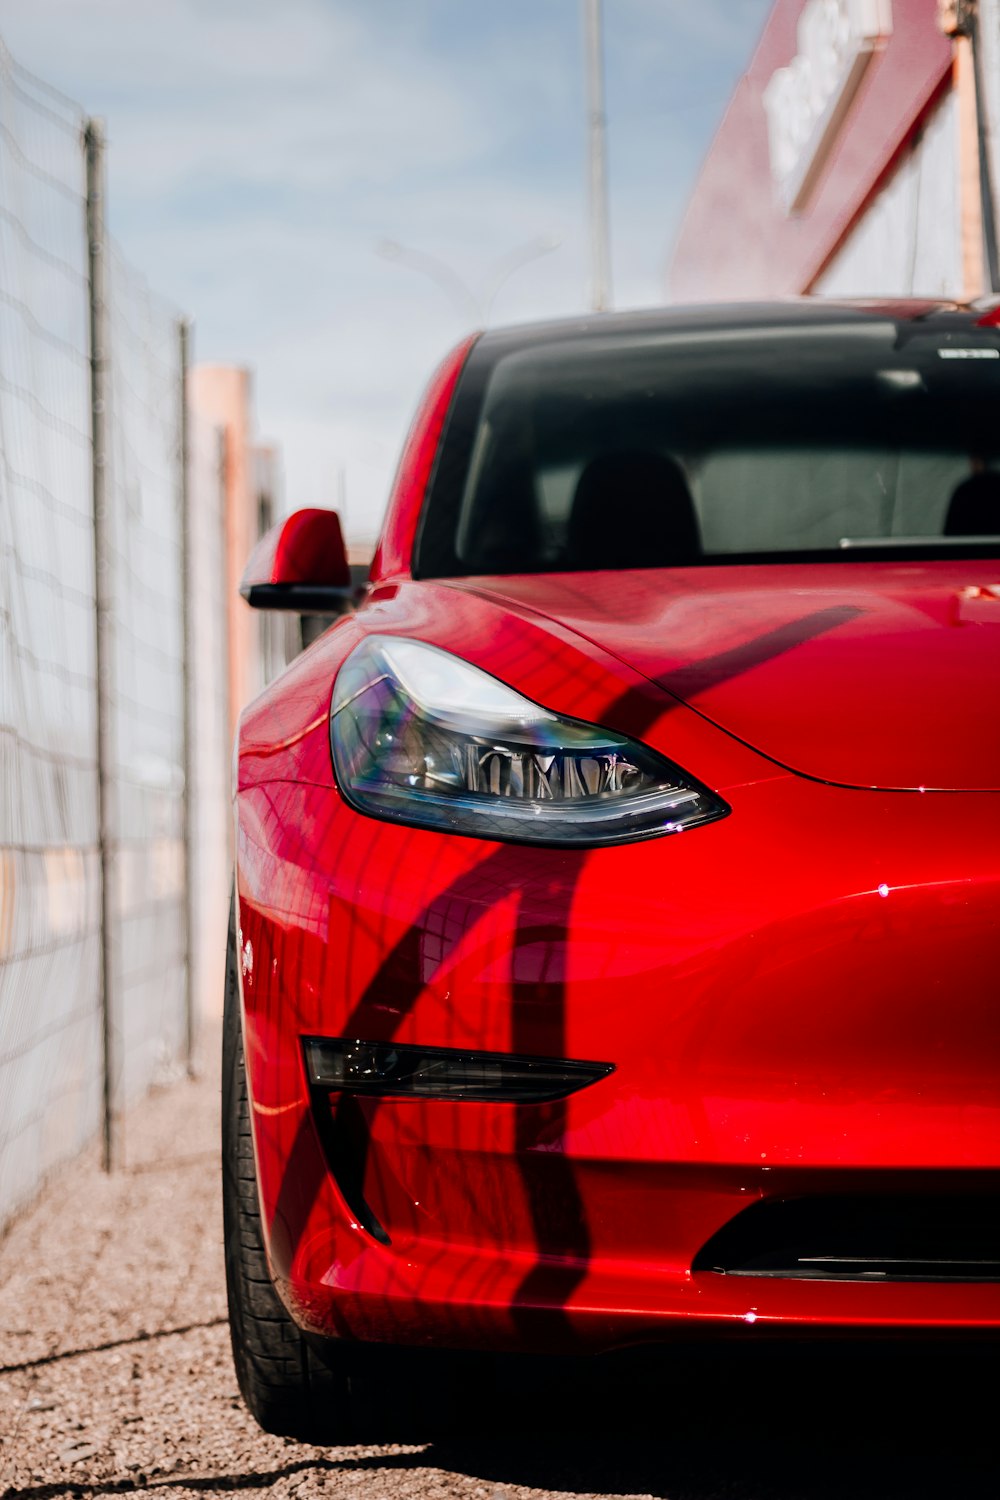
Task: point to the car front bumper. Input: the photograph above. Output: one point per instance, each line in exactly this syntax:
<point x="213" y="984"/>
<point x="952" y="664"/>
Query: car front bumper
<point x="800" y="1000"/>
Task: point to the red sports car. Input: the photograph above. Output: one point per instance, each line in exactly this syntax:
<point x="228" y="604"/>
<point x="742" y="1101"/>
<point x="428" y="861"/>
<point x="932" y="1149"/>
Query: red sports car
<point x="615" y="946"/>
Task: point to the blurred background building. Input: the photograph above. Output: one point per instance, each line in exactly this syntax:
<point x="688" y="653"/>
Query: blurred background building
<point x="858" y="156"/>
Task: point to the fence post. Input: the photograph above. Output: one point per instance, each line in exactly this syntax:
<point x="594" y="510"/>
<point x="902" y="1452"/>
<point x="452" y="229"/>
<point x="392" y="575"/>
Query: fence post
<point x="100" y="495"/>
<point x="187" y="667"/>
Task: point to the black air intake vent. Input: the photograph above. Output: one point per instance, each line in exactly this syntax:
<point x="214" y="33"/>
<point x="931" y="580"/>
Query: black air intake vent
<point x="883" y="1237"/>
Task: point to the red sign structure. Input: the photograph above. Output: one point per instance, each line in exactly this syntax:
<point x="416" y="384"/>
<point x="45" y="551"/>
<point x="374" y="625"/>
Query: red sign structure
<point x="833" y="95"/>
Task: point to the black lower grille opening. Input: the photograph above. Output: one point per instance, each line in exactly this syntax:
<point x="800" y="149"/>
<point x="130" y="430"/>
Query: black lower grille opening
<point x="863" y="1237"/>
<point x="345" y="1138"/>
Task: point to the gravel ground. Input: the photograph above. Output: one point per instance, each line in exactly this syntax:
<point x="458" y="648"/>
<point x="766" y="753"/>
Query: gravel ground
<point x="115" y="1378"/>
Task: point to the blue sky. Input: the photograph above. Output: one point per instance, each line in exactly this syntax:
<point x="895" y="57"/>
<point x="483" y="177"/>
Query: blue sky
<point x="261" y="151"/>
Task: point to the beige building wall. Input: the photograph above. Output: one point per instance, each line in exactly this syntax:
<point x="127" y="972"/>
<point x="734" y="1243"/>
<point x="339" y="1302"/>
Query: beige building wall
<point x="210" y="857"/>
<point x="234" y="482"/>
<point x="221" y="397"/>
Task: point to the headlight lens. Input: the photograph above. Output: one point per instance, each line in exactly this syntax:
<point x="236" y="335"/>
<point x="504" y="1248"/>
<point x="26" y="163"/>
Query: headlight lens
<point x="422" y="737"/>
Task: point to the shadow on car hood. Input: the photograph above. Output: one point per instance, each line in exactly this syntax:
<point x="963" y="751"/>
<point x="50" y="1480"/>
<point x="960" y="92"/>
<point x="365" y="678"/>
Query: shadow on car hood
<point x="863" y="674"/>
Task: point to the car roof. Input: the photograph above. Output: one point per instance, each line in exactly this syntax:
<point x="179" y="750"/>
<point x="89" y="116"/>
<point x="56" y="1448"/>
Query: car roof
<point x="801" y="311"/>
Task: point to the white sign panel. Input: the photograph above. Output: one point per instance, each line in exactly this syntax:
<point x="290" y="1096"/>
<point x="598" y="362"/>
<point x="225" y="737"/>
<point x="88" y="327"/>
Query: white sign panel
<point x="806" y="102"/>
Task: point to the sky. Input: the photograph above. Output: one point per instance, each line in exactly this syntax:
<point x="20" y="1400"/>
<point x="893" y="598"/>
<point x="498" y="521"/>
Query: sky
<point x="262" y="151"/>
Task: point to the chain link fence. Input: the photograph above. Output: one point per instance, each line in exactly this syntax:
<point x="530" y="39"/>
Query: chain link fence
<point x="95" y="703"/>
<point x="146" y="815"/>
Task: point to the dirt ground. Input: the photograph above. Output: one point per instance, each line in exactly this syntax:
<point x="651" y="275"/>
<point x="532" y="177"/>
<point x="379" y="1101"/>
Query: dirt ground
<point x="116" y="1378"/>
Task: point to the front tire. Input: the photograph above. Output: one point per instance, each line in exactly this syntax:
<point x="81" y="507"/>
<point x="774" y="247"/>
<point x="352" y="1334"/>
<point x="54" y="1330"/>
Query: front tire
<point x="319" y="1391"/>
<point x="288" y="1389"/>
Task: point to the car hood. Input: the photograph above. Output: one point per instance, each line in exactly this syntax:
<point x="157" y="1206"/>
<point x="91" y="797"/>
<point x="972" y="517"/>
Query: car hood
<point x="862" y="674"/>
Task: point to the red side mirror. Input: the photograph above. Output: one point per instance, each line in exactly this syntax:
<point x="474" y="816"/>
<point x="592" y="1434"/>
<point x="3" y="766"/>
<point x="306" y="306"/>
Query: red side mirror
<point x="300" y="564"/>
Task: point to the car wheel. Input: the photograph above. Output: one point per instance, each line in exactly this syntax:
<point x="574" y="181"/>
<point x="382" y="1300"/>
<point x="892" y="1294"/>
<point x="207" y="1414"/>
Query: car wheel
<point x="320" y="1391"/>
<point x="288" y="1387"/>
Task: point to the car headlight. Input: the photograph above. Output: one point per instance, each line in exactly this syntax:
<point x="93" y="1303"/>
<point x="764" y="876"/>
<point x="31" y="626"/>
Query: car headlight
<point x="420" y="736"/>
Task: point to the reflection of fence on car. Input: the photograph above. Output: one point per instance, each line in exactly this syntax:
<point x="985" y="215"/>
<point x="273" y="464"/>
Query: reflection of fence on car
<point x="95" y="942"/>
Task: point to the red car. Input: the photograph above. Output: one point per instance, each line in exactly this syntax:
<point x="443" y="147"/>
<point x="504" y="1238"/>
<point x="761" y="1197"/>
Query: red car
<point x="616" y="937"/>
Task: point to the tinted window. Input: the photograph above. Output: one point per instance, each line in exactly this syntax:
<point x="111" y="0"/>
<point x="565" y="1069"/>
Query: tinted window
<point x="661" y="449"/>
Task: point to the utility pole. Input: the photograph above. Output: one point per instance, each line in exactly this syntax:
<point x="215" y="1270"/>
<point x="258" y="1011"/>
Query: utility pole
<point x="962" y="21"/>
<point x="597" y="126"/>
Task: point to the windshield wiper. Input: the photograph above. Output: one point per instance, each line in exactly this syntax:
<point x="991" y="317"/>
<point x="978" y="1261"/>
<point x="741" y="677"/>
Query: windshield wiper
<point x="848" y="542"/>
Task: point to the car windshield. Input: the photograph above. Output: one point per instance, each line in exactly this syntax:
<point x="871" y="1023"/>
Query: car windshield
<point x="672" y="449"/>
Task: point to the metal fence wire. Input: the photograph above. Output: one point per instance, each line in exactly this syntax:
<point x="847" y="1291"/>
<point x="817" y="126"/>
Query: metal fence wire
<point x="94" y="942"/>
<point x="146" y="760"/>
